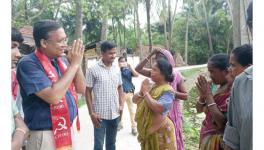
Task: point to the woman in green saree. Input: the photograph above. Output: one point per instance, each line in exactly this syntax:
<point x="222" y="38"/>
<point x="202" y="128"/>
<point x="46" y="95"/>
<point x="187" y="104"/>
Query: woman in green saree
<point x="155" y="130"/>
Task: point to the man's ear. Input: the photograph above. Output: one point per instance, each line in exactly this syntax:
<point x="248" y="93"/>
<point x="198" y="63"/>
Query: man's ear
<point x="43" y="43"/>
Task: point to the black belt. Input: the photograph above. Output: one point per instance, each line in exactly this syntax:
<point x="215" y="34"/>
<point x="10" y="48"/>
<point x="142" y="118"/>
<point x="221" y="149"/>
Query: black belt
<point x="131" y="91"/>
<point x="41" y="129"/>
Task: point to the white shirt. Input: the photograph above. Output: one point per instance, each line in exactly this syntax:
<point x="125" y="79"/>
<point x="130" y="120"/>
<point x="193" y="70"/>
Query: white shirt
<point x="104" y="83"/>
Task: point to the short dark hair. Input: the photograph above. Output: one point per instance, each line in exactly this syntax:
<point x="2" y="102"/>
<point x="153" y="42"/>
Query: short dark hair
<point x="243" y="54"/>
<point x="107" y="45"/>
<point x="16" y="35"/>
<point x="250" y="15"/>
<point x="165" y="69"/>
<point x="42" y="28"/>
<point x="220" y="61"/>
<point x="121" y="57"/>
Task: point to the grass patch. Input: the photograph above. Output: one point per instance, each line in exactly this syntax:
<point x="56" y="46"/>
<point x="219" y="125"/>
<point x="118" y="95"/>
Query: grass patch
<point x="190" y="72"/>
<point x="192" y="121"/>
<point x="81" y="101"/>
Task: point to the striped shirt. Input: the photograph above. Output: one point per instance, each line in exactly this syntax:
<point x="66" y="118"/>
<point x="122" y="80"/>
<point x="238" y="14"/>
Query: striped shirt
<point x="238" y="131"/>
<point x="104" y="82"/>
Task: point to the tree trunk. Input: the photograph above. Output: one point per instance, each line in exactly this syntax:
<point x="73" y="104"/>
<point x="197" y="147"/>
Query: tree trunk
<point x="78" y="19"/>
<point x="245" y="33"/>
<point x="211" y="51"/>
<point x="166" y="35"/>
<point x="148" y="25"/>
<point x="104" y="29"/>
<point x="138" y="30"/>
<point x="25" y="7"/>
<point x="164" y="18"/>
<point x="235" y="9"/>
<point x="119" y="33"/>
<point x="169" y="25"/>
<point x="124" y="28"/>
<point x="186" y="40"/>
<point x="78" y="27"/>
<point x="135" y="23"/>
<point x="114" y="30"/>
<point x="241" y="34"/>
<point x="172" y="24"/>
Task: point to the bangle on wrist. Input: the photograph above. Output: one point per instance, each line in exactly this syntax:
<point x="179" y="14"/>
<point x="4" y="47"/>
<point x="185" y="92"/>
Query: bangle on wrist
<point x="139" y="95"/>
<point x="201" y="103"/>
<point x="21" y="130"/>
<point x="144" y="95"/>
<point x="211" y="104"/>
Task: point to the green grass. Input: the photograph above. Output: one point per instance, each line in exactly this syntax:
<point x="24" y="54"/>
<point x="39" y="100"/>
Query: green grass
<point x="81" y="101"/>
<point x="192" y="121"/>
<point x="190" y="72"/>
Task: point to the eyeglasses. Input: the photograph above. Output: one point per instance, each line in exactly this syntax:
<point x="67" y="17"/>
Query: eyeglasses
<point x="64" y="41"/>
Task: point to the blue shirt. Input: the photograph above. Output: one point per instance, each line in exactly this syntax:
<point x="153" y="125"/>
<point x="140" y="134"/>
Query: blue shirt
<point x="166" y="100"/>
<point x="32" y="78"/>
<point x="127" y="80"/>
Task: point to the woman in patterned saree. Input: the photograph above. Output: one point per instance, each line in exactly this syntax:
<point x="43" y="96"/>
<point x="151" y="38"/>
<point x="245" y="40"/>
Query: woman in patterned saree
<point x="214" y="105"/>
<point x="177" y="84"/>
<point x="155" y="129"/>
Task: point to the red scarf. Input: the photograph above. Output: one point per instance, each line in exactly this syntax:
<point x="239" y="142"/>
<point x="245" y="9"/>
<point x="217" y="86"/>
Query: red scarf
<point x="14" y="84"/>
<point x="60" y="116"/>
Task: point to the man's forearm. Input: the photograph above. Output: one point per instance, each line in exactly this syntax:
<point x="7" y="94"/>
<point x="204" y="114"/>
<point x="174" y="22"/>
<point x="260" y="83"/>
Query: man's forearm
<point x="121" y="96"/>
<point x="88" y="98"/>
<point x="17" y="140"/>
<point x="54" y="93"/>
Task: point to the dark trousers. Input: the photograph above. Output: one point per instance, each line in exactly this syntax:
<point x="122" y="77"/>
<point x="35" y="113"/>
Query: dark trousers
<point x="107" y="130"/>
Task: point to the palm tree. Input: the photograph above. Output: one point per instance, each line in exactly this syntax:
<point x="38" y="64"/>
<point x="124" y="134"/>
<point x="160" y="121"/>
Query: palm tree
<point x="211" y="51"/>
<point x="148" y="6"/>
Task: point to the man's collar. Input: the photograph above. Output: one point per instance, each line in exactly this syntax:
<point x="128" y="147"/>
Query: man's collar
<point x="101" y="63"/>
<point x="249" y="72"/>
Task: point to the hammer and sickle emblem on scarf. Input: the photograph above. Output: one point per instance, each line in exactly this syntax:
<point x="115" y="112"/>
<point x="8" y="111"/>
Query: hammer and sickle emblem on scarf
<point x="61" y="125"/>
<point x="51" y="75"/>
